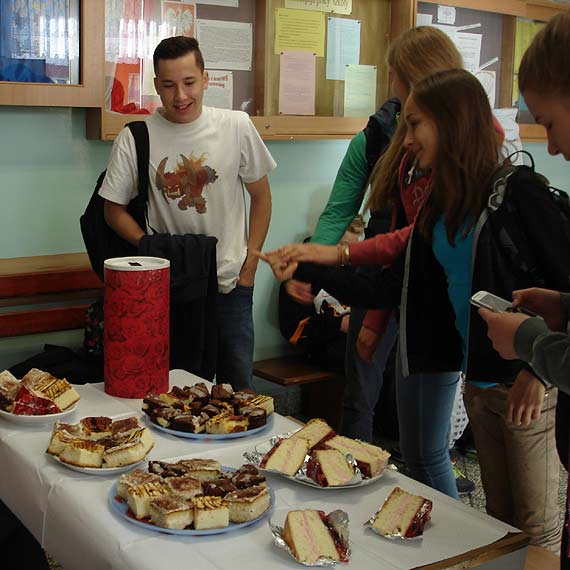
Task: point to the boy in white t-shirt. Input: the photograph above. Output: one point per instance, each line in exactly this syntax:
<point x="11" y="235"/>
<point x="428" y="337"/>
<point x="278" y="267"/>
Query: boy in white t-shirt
<point x="200" y="160"/>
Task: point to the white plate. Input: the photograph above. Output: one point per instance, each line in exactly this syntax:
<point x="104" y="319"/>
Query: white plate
<point x="101" y="471"/>
<point x="120" y="507"/>
<point x="211" y="436"/>
<point x="36" y="420"/>
<point x="299" y="477"/>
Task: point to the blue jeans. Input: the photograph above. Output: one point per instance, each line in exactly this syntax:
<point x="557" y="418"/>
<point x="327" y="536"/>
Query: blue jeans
<point x="424" y="404"/>
<point x="235" y="337"/>
<point x="364" y="379"/>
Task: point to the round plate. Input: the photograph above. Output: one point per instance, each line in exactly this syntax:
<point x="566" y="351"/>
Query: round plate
<point x="299" y="477"/>
<point x="121" y="508"/>
<point x="36" y="420"/>
<point x="211" y="436"/>
<point x="101" y="471"/>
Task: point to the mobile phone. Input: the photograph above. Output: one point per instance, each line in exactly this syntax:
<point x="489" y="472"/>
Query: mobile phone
<point x="492" y="302"/>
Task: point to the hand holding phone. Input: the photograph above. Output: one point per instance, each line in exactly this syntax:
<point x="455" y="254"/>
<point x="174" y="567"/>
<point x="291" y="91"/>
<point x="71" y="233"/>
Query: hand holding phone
<point x="497" y="304"/>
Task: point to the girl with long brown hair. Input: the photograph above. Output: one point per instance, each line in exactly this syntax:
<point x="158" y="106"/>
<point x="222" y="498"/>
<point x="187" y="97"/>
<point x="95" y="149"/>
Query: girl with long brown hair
<point x="472" y="234"/>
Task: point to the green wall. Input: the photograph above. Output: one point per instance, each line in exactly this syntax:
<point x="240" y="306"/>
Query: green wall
<point x="48" y="171"/>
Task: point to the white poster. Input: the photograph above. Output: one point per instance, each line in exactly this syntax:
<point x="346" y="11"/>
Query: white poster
<point x="220" y="92"/>
<point x="424" y="19"/>
<point x="488" y="80"/>
<point x="229" y="3"/>
<point x="225" y="45"/>
<point x="469" y="46"/>
<point x="446" y="15"/>
<point x="343" y="46"/>
<point x="360" y="90"/>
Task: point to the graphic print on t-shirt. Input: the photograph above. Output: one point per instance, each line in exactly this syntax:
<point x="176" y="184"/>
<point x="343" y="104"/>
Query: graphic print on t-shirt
<point x="187" y="182"/>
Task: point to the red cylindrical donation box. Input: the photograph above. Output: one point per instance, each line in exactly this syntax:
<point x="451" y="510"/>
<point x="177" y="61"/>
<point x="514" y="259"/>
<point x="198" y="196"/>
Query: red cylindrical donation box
<point x="136" y="329"/>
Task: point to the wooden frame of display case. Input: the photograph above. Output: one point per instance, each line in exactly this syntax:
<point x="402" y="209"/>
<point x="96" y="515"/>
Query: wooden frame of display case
<point x="85" y="94"/>
<point x="102" y="124"/>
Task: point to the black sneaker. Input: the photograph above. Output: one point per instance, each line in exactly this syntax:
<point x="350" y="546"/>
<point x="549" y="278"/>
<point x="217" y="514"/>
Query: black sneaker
<point x="464" y="485"/>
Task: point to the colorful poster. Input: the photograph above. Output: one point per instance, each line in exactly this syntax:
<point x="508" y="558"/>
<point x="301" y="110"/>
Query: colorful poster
<point x="299" y="30"/>
<point x="332" y="6"/>
<point x="180" y="17"/>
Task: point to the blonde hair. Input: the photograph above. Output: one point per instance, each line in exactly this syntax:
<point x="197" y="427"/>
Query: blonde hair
<point x="545" y="66"/>
<point x="413" y="55"/>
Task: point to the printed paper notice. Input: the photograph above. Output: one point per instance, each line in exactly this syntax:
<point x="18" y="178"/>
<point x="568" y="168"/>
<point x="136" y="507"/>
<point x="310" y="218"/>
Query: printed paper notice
<point x="446" y="15"/>
<point x="360" y="90"/>
<point x="297" y="83"/>
<point x="343" y="46"/>
<point x="220" y="92"/>
<point x="332" y="6"/>
<point x="226" y="45"/>
<point x="469" y="46"/>
<point x="488" y="80"/>
<point x="424" y="19"/>
<point x="229" y="3"/>
<point x="180" y="17"/>
<point x="299" y="30"/>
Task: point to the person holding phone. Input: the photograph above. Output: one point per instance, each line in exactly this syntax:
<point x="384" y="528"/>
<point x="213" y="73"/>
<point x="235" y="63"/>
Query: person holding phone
<point x="544" y="81"/>
<point x="457" y="248"/>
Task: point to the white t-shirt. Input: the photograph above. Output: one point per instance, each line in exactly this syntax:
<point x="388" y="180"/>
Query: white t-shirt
<point x="196" y="172"/>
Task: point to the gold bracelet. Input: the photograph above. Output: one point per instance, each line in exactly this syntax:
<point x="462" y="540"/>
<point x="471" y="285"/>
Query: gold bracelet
<point x="344" y="254"/>
<point x="339" y="254"/>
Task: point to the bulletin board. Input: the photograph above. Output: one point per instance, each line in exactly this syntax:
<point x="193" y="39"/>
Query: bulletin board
<point x="492" y="26"/>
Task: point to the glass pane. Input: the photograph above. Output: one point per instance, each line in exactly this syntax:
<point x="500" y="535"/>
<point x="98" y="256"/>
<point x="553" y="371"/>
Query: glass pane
<point x="39" y="41"/>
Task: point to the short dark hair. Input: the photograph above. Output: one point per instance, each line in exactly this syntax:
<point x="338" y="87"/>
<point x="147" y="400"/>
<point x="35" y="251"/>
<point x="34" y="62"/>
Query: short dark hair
<point x="175" y="47"/>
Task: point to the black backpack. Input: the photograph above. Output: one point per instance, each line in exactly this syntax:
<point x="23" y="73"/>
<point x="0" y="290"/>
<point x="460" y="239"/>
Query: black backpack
<point x="100" y="240"/>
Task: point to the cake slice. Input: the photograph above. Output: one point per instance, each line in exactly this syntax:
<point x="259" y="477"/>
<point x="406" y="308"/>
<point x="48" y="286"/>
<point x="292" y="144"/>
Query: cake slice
<point x="171" y="512"/>
<point x="134" y="478"/>
<point x="28" y="403"/>
<point x="96" y="427"/>
<point x="62" y="435"/>
<point x="210" y="512"/>
<point x="140" y="496"/>
<point x="371" y="460"/>
<point x="124" y="454"/>
<point x="57" y="389"/>
<point x="308" y="537"/>
<point x="315" y="431"/>
<point x="34" y="377"/>
<point x="9" y="387"/>
<point x="226" y="423"/>
<point x="83" y="453"/>
<point x="329" y="468"/>
<point x="202" y="469"/>
<point x="247" y="504"/>
<point x="222" y="392"/>
<point x="187" y="487"/>
<point x="247" y="476"/>
<point x="403" y="514"/>
<point x="190" y="423"/>
<point x="256" y="417"/>
<point x="263" y="402"/>
<point x="218" y="487"/>
<point x="286" y="456"/>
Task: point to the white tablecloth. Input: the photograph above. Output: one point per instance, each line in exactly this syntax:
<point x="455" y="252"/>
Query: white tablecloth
<point x="69" y="514"/>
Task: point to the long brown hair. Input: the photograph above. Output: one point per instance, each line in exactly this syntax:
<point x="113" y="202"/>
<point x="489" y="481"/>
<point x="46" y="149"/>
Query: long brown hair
<point x="545" y="65"/>
<point x="413" y="55"/>
<point x="467" y="150"/>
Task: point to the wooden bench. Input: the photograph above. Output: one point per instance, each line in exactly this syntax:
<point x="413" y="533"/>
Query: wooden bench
<point x="321" y="390"/>
<point x="46" y="293"/>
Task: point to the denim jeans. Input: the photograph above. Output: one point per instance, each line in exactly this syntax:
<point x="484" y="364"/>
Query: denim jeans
<point x="364" y="379"/>
<point x="235" y="337"/>
<point x="425" y="401"/>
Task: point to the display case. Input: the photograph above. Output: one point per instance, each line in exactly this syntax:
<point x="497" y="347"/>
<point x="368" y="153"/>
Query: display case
<point x="50" y="52"/>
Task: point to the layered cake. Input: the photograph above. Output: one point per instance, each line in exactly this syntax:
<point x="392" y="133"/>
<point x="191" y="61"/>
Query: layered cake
<point x="165" y="469"/>
<point x="263" y="402"/>
<point x="83" y="453"/>
<point x="329" y="468"/>
<point x="247" y="504"/>
<point x="59" y="390"/>
<point x="226" y="423"/>
<point x="124" y="454"/>
<point x="29" y="403"/>
<point x="247" y="476"/>
<point x="133" y="479"/>
<point x="170" y="511"/>
<point x="140" y="496"/>
<point x="210" y="512"/>
<point x="286" y="456"/>
<point x="62" y="435"/>
<point x="222" y="391"/>
<point x="9" y="386"/>
<point x="403" y="514"/>
<point x="371" y="460"/>
<point x="202" y="469"/>
<point x="96" y="427"/>
<point x="218" y="487"/>
<point x="256" y="417"/>
<point x="187" y="487"/>
<point x="190" y="423"/>
<point x="308" y="537"/>
<point x="315" y="431"/>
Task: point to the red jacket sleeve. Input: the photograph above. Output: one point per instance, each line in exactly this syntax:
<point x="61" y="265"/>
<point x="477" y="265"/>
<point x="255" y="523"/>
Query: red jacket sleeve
<point x="381" y="249"/>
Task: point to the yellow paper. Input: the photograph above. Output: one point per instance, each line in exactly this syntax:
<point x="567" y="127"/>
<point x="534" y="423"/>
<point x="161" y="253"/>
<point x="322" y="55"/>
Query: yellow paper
<point x="524" y="34"/>
<point x="299" y="30"/>
<point x="332" y="6"/>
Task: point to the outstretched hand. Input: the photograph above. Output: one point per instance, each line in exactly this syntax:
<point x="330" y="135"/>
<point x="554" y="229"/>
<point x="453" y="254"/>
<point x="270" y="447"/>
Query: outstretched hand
<point x="282" y="267"/>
